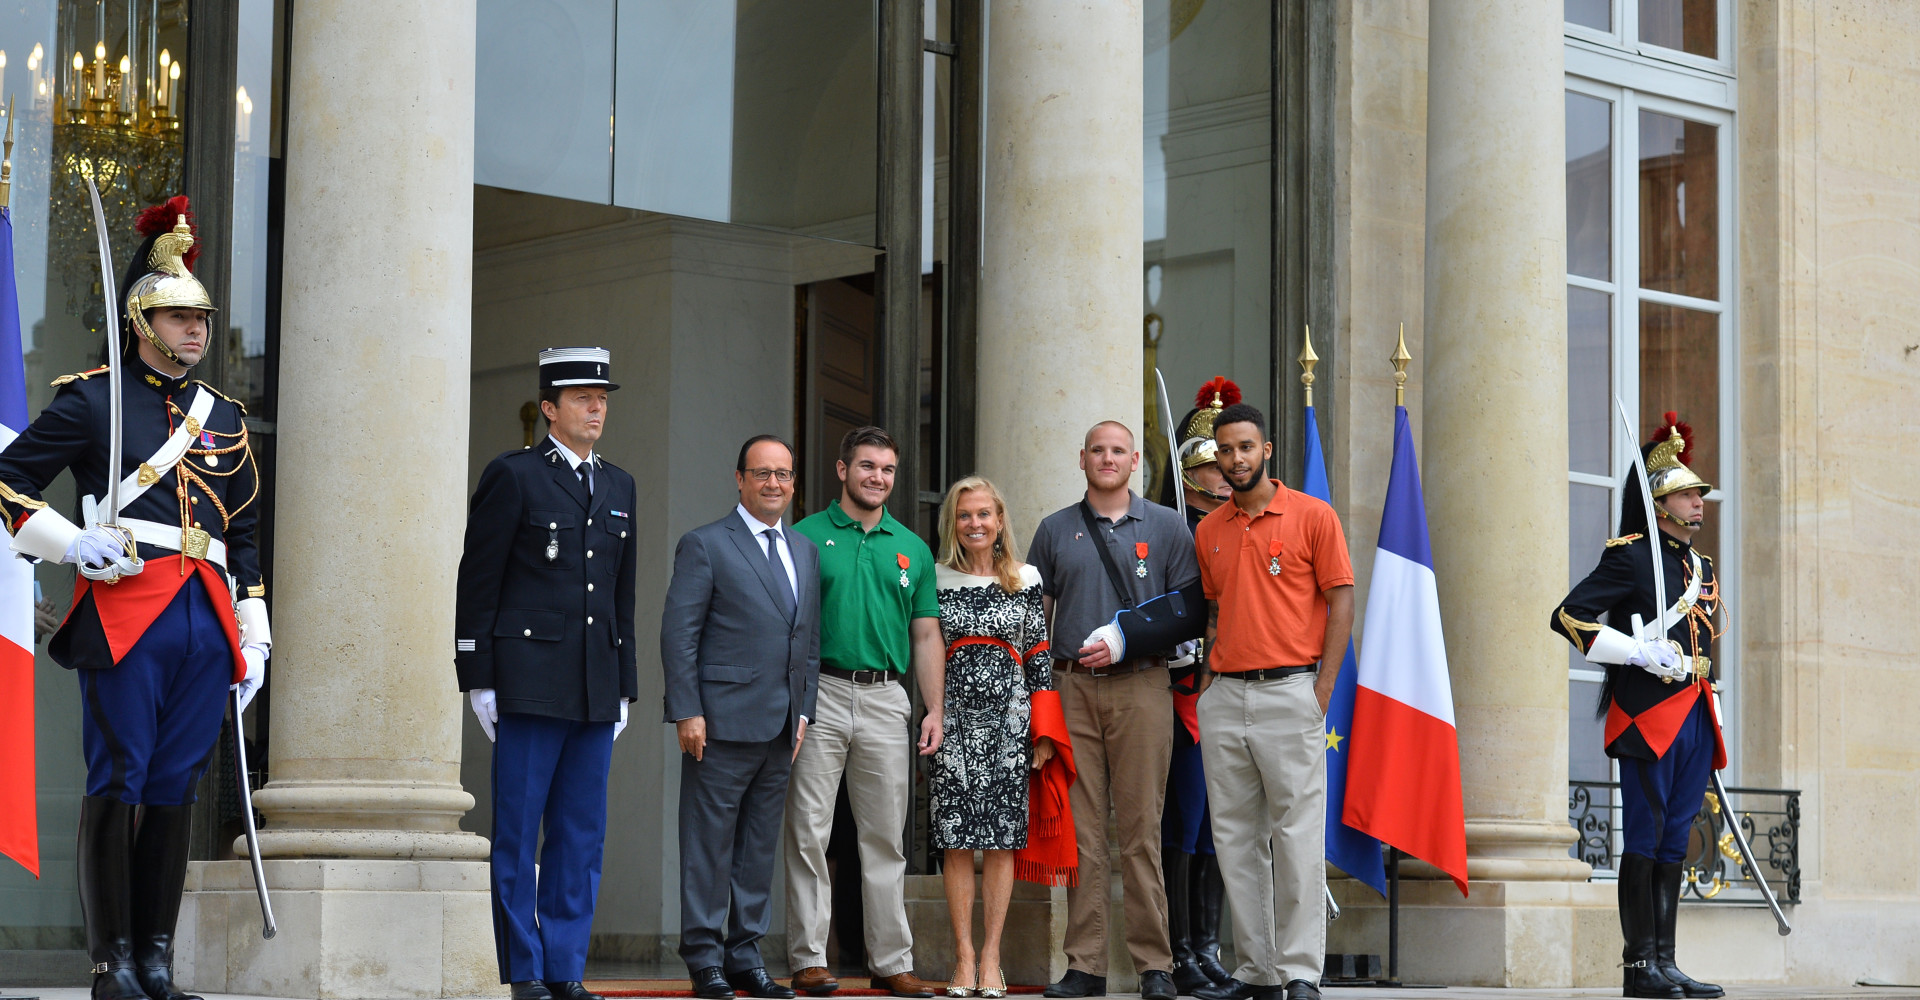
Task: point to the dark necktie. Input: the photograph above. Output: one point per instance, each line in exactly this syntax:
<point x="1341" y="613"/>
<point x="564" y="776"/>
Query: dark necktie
<point x="782" y="585"/>
<point x="585" y="471"/>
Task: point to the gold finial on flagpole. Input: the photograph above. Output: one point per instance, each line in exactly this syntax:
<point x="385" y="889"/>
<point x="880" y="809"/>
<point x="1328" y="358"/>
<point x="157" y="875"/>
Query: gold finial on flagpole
<point x="6" y="159"/>
<point x="1307" y="360"/>
<point x="1400" y="360"/>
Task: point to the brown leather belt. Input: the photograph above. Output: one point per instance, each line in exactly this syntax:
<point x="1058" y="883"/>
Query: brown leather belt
<point x="1268" y="674"/>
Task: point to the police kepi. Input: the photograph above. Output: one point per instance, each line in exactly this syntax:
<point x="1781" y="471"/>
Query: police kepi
<point x="543" y="644"/>
<point x="1658" y="699"/>
<point x="155" y="634"/>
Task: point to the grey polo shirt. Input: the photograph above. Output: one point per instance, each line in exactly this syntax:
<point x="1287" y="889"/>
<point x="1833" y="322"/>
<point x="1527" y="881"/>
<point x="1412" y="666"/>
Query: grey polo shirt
<point x="1071" y="573"/>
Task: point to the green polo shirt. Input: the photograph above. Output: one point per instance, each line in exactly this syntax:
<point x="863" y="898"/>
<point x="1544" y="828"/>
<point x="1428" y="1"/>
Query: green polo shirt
<point x="866" y="596"/>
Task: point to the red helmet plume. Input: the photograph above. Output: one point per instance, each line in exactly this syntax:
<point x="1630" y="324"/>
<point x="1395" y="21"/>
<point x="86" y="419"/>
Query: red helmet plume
<point x="1222" y="386"/>
<point x="1671" y="422"/>
<point x="157" y="219"/>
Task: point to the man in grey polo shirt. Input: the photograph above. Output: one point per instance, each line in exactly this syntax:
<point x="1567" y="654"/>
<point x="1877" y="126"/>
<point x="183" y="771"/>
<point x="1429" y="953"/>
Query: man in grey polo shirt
<point x="1119" y="715"/>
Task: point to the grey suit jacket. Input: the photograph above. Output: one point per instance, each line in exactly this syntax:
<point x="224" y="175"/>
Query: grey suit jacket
<point x="729" y="650"/>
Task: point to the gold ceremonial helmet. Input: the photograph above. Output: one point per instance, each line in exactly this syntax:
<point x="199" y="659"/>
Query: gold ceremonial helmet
<point x="1196" y="433"/>
<point x="1666" y="469"/>
<point x="169" y="284"/>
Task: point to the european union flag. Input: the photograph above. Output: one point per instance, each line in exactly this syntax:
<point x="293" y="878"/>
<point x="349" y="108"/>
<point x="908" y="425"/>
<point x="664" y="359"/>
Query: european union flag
<point x="1348" y="849"/>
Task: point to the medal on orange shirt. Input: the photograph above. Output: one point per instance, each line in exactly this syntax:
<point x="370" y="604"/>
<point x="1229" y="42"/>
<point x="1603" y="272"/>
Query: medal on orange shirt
<point x="1273" y="557"/>
<point x="1140" y="568"/>
<point x="901" y="558"/>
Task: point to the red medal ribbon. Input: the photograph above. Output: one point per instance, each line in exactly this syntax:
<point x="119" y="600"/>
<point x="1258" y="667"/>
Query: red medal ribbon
<point x="901" y="558"/>
<point x="1273" y="548"/>
<point x="1140" y="550"/>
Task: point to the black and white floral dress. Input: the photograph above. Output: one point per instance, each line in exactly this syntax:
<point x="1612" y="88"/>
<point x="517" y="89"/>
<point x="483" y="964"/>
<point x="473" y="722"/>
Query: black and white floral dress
<point x="978" y="777"/>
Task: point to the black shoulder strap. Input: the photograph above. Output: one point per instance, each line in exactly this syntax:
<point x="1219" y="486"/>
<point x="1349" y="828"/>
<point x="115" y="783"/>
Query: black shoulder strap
<point x="1106" y="558"/>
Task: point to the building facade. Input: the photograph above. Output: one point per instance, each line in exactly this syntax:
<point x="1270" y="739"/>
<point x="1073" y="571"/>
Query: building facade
<point x="985" y="224"/>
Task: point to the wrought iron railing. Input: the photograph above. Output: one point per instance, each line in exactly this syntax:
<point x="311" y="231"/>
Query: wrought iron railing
<point x="1770" y="818"/>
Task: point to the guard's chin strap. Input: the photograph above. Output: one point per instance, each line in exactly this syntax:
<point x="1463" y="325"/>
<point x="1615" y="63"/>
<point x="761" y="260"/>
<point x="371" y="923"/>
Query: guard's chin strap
<point x="138" y="317"/>
<point x="1660" y="510"/>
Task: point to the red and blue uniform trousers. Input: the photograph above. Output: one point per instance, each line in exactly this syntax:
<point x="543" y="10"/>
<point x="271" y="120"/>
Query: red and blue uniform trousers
<point x="1660" y="798"/>
<point x="150" y="721"/>
<point x="547" y="772"/>
<point x="1185" y="824"/>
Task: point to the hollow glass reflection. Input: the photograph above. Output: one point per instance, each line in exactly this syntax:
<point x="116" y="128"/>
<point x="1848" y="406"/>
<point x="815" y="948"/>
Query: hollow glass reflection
<point x="1679" y="206"/>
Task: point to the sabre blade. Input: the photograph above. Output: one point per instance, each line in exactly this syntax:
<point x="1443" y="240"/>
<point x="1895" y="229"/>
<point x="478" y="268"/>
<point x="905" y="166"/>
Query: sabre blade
<point x="1747" y="859"/>
<point x="1173" y="445"/>
<point x="1653" y="525"/>
<point x="268" y="929"/>
<point x="110" y="291"/>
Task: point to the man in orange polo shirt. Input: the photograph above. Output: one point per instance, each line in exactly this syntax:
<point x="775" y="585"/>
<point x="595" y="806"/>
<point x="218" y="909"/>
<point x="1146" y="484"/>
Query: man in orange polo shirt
<point x="1279" y="592"/>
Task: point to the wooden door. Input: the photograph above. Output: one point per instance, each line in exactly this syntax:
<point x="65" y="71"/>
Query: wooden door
<point x="836" y="326"/>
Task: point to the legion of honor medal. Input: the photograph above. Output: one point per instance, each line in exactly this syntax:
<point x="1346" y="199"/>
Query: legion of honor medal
<point x="1273" y="557"/>
<point x="1140" y="568"/>
<point x="901" y="558"/>
<point x="206" y="441"/>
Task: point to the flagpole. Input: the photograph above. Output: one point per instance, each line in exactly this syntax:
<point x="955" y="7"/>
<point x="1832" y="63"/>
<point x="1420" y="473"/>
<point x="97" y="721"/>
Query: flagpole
<point x="1400" y="361"/>
<point x="6" y="159"/>
<point x="1307" y="360"/>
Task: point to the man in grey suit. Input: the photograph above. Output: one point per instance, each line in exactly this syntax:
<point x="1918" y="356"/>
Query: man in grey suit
<point x="740" y="699"/>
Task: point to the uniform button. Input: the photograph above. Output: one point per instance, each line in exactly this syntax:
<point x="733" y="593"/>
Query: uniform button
<point x="552" y="525"/>
<point x="193" y="499"/>
<point x="589" y="553"/>
<point x="589" y="619"/>
<point x="526" y="631"/>
<point x="623" y="534"/>
<point x="196" y="524"/>
<point x="589" y="588"/>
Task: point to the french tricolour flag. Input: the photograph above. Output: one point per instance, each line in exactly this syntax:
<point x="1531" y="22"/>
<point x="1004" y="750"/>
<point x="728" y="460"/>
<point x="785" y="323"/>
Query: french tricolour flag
<point x="19" y="819"/>
<point x="1403" y="781"/>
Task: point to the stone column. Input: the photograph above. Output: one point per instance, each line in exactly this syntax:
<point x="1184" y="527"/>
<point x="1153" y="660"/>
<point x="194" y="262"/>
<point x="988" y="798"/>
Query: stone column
<point x="1060" y="313"/>
<point x="1496" y="488"/>
<point x="380" y="893"/>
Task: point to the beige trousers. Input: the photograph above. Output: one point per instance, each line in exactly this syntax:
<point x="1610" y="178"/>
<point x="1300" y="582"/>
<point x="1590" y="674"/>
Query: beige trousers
<point x="1122" y="731"/>
<point x="1264" y="747"/>
<point x="859" y="730"/>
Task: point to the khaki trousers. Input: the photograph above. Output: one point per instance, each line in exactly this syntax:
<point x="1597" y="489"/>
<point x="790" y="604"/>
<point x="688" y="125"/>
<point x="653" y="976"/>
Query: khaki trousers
<point x="1122" y="731"/>
<point x="859" y="730"/>
<point x="1264" y="747"/>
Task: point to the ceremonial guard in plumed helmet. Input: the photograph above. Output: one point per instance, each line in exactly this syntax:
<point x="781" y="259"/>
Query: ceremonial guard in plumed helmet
<point x="1195" y="892"/>
<point x="1658" y="699"/>
<point x="543" y="644"/>
<point x="168" y="607"/>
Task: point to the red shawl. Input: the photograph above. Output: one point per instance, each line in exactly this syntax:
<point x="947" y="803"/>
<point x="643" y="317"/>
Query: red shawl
<point x="1050" y="857"/>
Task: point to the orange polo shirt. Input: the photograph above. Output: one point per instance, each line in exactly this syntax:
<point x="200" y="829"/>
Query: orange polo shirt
<point x="1269" y="574"/>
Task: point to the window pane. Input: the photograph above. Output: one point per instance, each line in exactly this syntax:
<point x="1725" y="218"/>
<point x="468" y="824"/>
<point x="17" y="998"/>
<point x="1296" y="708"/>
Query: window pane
<point x="1679" y="206"/>
<point x="1586" y="733"/>
<point x="1589" y="186"/>
<point x="1590" y="416"/>
<point x="1680" y="371"/>
<point x="1589" y="525"/>
<point x="1591" y="13"/>
<point x="1687" y="25"/>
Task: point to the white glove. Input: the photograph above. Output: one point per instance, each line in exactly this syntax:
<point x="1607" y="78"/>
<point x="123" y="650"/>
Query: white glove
<point x="1184" y="654"/>
<point x="1657" y="657"/>
<point x="1109" y="634"/>
<point x="622" y="724"/>
<point x="486" y="708"/>
<point x="101" y="554"/>
<point x="256" y="657"/>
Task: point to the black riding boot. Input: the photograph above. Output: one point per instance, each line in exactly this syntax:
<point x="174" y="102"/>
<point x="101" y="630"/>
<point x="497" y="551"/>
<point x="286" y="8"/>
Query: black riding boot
<point x="1209" y="893"/>
<point x="1666" y="917"/>
<point x="159" y="877"/>
<point x="1175" y="865"/>
<point x="104" y="857"/>
<point x="1642" y="978"/>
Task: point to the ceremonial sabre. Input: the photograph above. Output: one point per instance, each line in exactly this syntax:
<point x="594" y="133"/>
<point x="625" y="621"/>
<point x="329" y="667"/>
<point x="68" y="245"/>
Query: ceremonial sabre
<point x="1660" y="617"/>
<point x="246" y="813"/>
<point x="1173" y="446"/>
<point x="110" y="518"/>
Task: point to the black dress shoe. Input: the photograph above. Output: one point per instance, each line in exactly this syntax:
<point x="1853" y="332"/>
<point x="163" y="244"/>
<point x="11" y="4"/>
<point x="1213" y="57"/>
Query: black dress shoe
<point x="532" y="989"/>
<point x="756" y="983"/>
<point x="1232" y="989"/>
<point x="571" y="991"/>
<point x="711" y="983"/>
<point x="1300" y="989"/>
<point x="1078" y="984"/>
<point x="1187" y="977"/>
<point x="1156" y="985"/>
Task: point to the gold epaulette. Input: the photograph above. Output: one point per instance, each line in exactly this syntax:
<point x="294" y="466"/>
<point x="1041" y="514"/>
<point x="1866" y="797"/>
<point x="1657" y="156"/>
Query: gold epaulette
<point x="77" y="376"/>
<point x="222" y="395"/>
<point x="1623" y="540"/>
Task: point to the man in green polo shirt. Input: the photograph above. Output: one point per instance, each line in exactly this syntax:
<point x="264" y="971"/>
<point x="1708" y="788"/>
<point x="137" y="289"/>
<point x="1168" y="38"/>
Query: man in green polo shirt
<point x="878" y="615"/>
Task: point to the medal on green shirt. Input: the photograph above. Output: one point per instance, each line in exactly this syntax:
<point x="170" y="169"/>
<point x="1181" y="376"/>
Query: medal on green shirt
<point x="901" y="558"/>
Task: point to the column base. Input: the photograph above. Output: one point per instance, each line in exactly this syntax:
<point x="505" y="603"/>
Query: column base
<point x="366" y="930"/>
<point x="1030" y="946"/>
<point x="1513" y="934"/>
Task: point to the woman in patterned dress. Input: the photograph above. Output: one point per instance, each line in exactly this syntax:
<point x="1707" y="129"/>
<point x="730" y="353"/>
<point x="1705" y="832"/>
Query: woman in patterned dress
<point x="990" y="615"/>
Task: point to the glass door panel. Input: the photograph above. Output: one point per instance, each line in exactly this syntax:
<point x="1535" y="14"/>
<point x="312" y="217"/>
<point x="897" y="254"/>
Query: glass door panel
<point x="1679" y="206"/>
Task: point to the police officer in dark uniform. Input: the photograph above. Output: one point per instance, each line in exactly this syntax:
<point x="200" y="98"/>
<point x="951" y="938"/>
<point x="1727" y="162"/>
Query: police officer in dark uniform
<point x="155" y="633"/>
<point x="543" y="644"/>
<point x="1662" y="723"/>
<point x="1195" y="891"/>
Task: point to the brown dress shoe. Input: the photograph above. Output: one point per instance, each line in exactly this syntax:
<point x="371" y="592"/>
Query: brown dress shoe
<point x="815" y="981"/>
<point x="904" y="984"/>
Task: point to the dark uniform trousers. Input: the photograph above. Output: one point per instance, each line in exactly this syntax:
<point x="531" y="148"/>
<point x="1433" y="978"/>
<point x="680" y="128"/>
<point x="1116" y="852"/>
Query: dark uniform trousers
<point x="544" y="617"/>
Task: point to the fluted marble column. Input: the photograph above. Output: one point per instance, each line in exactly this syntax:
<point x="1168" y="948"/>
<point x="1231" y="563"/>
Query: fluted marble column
<point x="1060" y="342"/>
<point x="1495" y="418"/>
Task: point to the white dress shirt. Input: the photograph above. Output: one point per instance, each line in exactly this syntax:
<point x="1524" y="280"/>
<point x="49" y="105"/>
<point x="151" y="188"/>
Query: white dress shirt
<point x="573" y="460"/>
<point x="759" y="529"/>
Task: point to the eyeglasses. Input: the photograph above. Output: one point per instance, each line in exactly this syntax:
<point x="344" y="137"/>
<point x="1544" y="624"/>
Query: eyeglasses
<point x="781" y="476"/>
